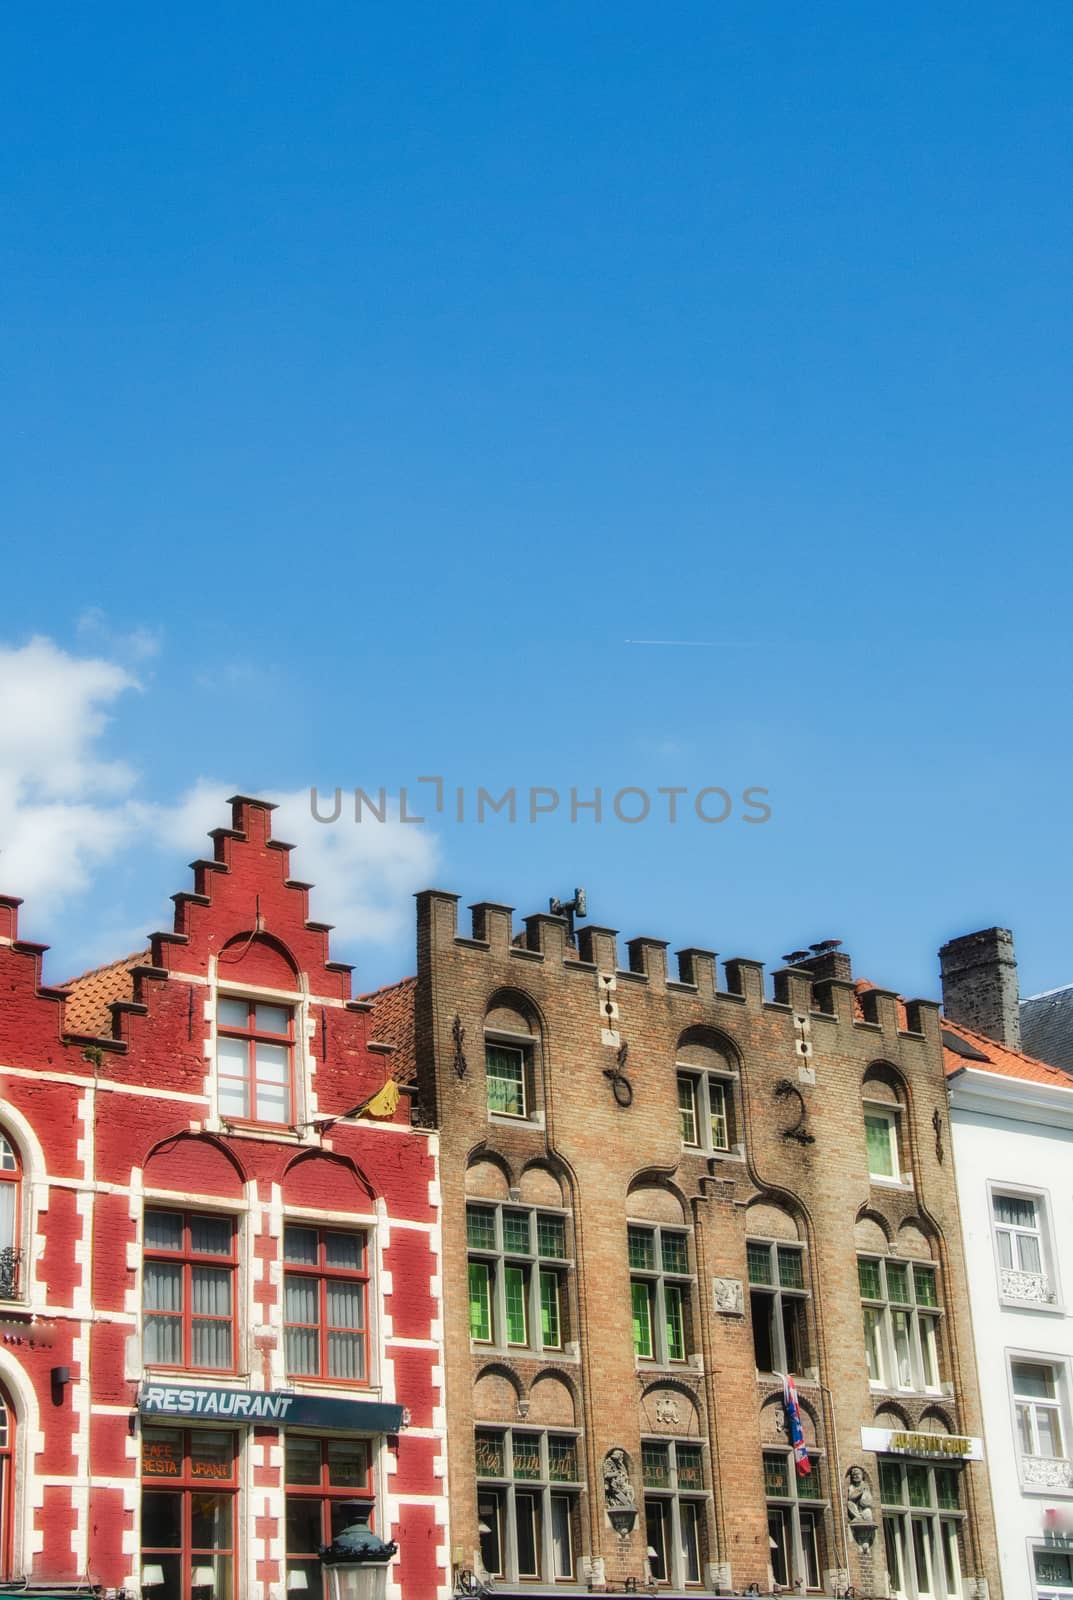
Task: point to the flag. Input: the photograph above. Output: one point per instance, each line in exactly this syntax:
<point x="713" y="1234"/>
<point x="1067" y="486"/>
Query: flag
<point x="383" y="1102"/>
<point x="793" y="1420"/>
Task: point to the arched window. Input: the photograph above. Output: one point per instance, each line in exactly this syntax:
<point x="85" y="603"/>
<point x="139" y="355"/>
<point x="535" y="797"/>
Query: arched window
<point x="7" y="1482"/>
<point x="10" y="1208"/>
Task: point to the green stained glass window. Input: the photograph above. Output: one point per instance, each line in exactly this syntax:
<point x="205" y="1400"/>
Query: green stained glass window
<point x="655" y="1466"/>
<point x="526" y="1452"/>
<point x="549" y="1310"/>
<point x="562" y="1458"/>
<point x="641" y="1305"/>
<point x="551" y="1236"/>
<point x="791" y="1269"/>
<point x="870" y="1279"/>
<point x="489" y="1454"/>
<point x="919" y="1486"/>
<point x="776" y="1475"/>
<point x="898" y="1282"/>
<point x="515" y="1284"/>
<point x="480" y="1302"/>
<point x="809" y="1487"/>
<point x="690" y="1466"/>
<point x="480" y="1227"/>
<point x="924" y="1284"/>
<point x="759" y="1260"/>
<point x="948" y="1488"/>
<point x="676" y="1337"/>
<point x="642" y="1249"/>
<point x="516" y="1231"/>
<point x="675" y="1253"/>
<point x="891" y="1489"/>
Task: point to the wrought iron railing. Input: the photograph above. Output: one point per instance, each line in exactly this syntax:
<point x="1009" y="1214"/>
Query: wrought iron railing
<point x="10" y="1272"/>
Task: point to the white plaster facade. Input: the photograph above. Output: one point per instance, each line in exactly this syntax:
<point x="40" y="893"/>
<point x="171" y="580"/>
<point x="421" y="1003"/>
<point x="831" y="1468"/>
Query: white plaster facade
<point x="1013" y="1149"/>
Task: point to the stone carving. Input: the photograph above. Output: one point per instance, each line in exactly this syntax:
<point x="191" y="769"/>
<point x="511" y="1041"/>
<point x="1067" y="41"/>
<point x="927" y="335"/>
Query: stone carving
<point x="618" y="1490"/>
<point x="1047" y="1472"/>
<point x="860" y="1506"/>
<point x="667" y="1411"/>
<point x="1026" y="1286"/>
<point x="728" y="1296"/>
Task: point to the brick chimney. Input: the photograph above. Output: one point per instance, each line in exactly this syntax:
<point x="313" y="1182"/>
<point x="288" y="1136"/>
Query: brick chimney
<point x="979" y="974"/>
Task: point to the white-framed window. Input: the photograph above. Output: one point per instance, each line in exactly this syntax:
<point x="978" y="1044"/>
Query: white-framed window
<point x="1052" y="1572"/>
<point x="795" y="1514"/>
<point x="660" y="1293"/>
<point x="255" y="1060"/>
<point x="706" y="1111"/>
<point x="1023" y="1247"/>
<point x="672" y="1475"/>
<point x="900" y="1310"/>
<point x="922" y="1521"/>
<point x="528" y="1503"/>
<point x="778" y="1305"/>
<point x="518" y="1266"/>
<point x="881" y="1138"/>
<point x="11" y="1253"/>
<point x="506" y="1069"/>
<point x="1039" y="1389"/>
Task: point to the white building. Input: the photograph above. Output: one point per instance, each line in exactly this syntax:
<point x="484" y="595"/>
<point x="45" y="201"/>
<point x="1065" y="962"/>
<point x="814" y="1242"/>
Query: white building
<point x="1012" y="1132"/>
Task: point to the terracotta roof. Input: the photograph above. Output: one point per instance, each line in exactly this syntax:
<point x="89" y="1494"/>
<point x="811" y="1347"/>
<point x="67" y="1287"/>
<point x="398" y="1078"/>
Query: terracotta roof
<point x="391" y="1021"/>
<point x="89" y="997"/>
<point x="863" y="984"/>
<point x="1005" y="1063"/>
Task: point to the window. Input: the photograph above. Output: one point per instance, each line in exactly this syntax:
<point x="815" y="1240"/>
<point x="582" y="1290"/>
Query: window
<point x="528" y="1483"/>
<point x="505" y="1072"/>
<point x="881" y="1140"/>
<point x="1053" y="1572"/>
<point x="900" y="1308"/>
<point x="189" y="1291"/>
<point x="189" y="1484"/>
<point x="517" y="1276"/>
<point x="326" y="1297"/>
<point x="921" y="1528"/>
<point x="7" y="1482"/>
<point x="704" y="1110"/>
<point x="795" y="1507"/>
<point x="660" y="1293"/>
<point x="778" y="1305"/>
<point x="1042" y="1420"/>
<point x="10" y="1208"/>
<point x="254" y="1061"/>
<point x="329" y="1487"/>
<point x="1023" y="1254"/>
<point x="672" y="1474"/>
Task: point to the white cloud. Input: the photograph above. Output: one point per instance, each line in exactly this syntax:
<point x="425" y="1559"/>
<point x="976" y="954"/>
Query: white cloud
<point x="139" y="644"/>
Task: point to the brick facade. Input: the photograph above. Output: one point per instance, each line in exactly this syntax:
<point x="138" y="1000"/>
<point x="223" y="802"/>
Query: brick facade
<point x="600" y="1142"/>
<point x="114" y="1110"/>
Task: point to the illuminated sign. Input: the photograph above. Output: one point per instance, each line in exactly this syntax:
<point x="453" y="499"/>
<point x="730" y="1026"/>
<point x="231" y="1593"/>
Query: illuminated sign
<point x="902" y="1442"/>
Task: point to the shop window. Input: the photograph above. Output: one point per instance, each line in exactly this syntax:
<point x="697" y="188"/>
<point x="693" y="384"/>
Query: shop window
<point x="518" y="1270"/>
<point x="795" y="1514"/>
<point x="189" y="1291"/>
<point x="672" y="1475"/>
<point x="189" y="1489"/>
<point x="326" y="1298"/>
<point x="660" y="1293"/>
<point x="900" y="1309"/>
<point x="528" y="1488"/>
<point x="255" y="1061"/>
<point x="778" y="1305"/>
<point x="922" y="1521"/>
<point x="1052" y="1570"/>
<point x="328" y="1488"/>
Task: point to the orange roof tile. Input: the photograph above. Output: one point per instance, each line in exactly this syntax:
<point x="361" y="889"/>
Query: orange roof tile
<point x="90" y="996"/>
<point x="1005" y="1063"/>
<point x="391" y="1021"/>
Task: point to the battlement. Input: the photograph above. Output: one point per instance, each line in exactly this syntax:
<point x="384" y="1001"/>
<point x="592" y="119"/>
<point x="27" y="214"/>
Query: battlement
<point x="818" y="984"/>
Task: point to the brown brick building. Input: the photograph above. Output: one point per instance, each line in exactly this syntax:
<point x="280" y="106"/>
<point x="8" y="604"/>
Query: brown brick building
<point x="659" y="1197"/>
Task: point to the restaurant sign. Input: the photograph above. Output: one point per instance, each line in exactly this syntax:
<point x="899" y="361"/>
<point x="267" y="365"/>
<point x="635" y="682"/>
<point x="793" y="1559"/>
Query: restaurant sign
<point x="947" y="1446"/>
<point x="267" y="1405"/>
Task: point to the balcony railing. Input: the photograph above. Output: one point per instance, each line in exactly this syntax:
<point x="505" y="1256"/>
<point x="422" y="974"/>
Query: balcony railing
<point x="10" y="1272"/>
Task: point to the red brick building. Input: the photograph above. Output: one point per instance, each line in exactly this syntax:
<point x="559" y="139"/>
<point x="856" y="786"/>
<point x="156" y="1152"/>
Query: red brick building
<point x="219" y="1278"/>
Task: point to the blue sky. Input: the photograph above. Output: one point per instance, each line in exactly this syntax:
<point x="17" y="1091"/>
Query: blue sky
<point x="371" y="375"/>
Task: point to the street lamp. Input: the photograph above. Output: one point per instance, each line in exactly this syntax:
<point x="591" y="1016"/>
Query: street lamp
<point x="355" y="1563"/>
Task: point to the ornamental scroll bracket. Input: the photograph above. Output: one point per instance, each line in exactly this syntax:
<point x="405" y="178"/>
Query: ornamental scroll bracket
<point x="937" y="1124"/>
<point x="458" y="1038"/>
<point x="799" y="1129"/>
<point x="621" y="1087"/>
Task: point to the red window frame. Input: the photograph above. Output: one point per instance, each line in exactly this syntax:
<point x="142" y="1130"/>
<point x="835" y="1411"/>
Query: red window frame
<point x="7" y="1483"/>
<point x="188" y="1484"/>
<point x="253" y="1036"/>
<point x="188" y="1258"/>
<point x="327" y="1494"/>
<point x="325" y="1274"/>
<point x="12" y="1174"/>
